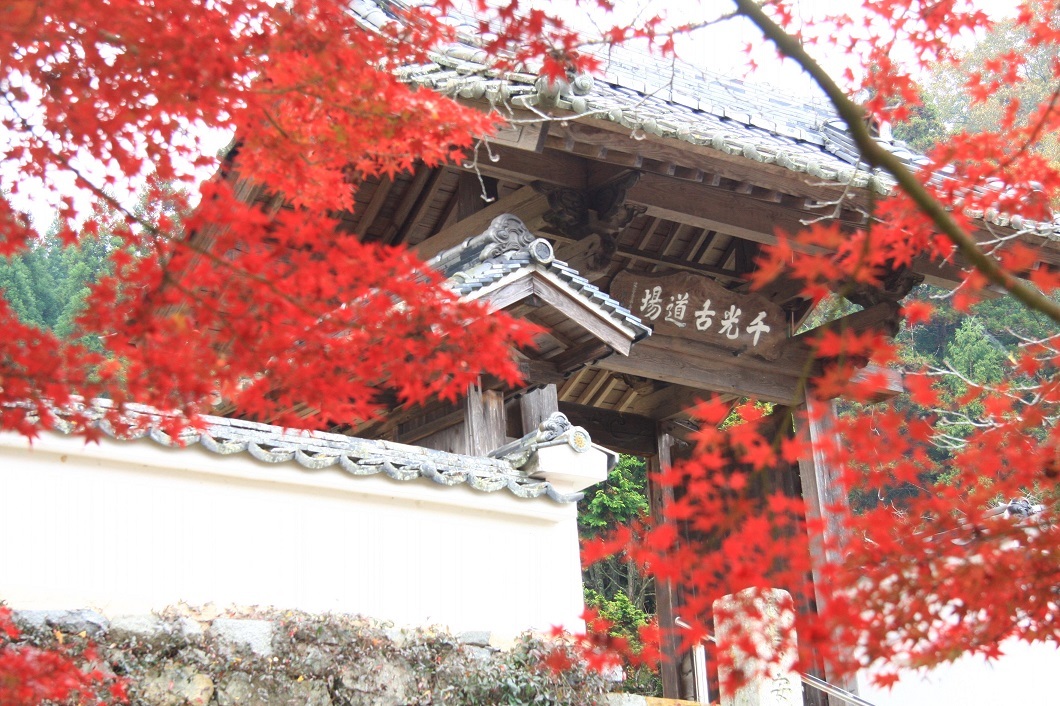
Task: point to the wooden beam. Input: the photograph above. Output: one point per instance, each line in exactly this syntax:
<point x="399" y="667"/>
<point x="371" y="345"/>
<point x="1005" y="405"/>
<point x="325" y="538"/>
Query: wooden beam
<point x="586" y="397"/>
<point x="485" y="421"/>
<point x="539" y="372"/>
<point x="648" y="232"/>
<point x="885" y="316"/>
<point x="621" y="148"/>
<point x="566" y="388"/>
<point x="792" y="359"/>
<point x="590" y="319"/>
<point x="676" y="263"/>
<point x="625" y="400"/>
<point x="698" y="245"/>
<point x="523" y="167"/>
<point x="424" y="203"/>
<point x="671" y="238"/>
<point x="408" y="202"/>
<point x="602" y="395"/>
<point x="770" y="381"/>
<point x="715" y="209"/>
<point x="374" y="206"/>
<point x="826" y="502"/>
<point x="745" y="256"/>
<point x="524" y="203"/>
<point x="624" y="433"/>
<point x="660" y="497"/>
<point x="668" y="403"/>
<point x="580" y="355"/>
<point x="591" y="256"/>
<point x="888" y="382"/>
<point x="469" y="190"/>
<point x="538" y="405"/>
<point x="640" y="254"/>
<point x="730" y="248"/>
<point x="505" y="296"/>
<point x="414" y="434"/>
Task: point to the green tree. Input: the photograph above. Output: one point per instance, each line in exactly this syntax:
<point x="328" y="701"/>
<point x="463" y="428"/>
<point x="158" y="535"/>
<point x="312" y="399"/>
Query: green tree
<point x="47" y="284"/>
<point x="948" y="108"/>
<point x="923" y="129"/>
<point x="622" y="500"/>
<point x="25" y="288"/>
<point x="621" y="594"/>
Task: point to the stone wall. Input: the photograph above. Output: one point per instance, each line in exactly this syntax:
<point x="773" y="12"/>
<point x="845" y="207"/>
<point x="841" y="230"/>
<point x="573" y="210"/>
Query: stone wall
<point x="186" y="657"/>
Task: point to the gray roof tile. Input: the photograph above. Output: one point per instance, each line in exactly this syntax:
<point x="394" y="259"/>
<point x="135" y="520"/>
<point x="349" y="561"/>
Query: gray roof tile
<point x="669" y="99"/>
<point x="316" y="450"/>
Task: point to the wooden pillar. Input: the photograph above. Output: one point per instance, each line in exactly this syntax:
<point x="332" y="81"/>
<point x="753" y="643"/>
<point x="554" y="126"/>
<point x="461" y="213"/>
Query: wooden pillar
<point x="825" y="499"/>
<point x="665" y="592"/>
<point x="538" y="405"/>
<point x="484" y="421"/>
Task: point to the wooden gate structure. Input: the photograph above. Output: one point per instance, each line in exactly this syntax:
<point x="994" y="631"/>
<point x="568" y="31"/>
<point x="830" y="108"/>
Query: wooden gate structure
<point x="655" y="187"/>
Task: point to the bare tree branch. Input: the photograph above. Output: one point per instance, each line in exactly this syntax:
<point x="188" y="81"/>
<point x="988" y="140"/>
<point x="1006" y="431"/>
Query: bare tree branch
<point x="854" y="117"/>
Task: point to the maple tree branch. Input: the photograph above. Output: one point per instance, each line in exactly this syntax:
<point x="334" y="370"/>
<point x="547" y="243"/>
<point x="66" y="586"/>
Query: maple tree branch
<point x="854" y="117"/>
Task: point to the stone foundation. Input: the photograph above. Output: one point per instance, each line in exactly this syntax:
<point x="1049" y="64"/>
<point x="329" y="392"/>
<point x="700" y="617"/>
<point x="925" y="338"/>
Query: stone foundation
<point x="186" y="657"/>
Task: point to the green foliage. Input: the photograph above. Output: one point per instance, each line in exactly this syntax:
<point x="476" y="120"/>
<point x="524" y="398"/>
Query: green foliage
<point x="829" y="309"/>
<point x="976" y="355"/>
<point x="627" y="619"/>
<point x="622" y="500"/>
<point x="948" y="108"/>
<point x="923" y="129"/>
<point x="618" y="501"/>
<point x="534" y="672"/>
<point x="976" y="345"/>
<point x="620" y="592"/>
<point x="47" y="285"/>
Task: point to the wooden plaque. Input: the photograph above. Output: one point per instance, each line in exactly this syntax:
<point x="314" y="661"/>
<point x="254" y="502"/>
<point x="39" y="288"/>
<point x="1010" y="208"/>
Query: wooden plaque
<point x="695" y="307"/>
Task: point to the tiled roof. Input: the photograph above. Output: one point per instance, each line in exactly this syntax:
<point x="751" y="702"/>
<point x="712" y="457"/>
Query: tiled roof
<point x="358" y="457"/>
<point x="470" y="275"/>
<point x="674" y="100"/>
<point x="668" y="99"/>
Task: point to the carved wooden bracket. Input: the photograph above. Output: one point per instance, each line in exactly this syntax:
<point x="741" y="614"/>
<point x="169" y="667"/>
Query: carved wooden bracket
<point x="896" y="284"/>
<point x="578" y="213"/>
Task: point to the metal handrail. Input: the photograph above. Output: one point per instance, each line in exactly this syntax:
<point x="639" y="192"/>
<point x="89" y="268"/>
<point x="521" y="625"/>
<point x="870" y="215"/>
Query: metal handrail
<point x="833" y="690"/>
<point x="808" y="679"/>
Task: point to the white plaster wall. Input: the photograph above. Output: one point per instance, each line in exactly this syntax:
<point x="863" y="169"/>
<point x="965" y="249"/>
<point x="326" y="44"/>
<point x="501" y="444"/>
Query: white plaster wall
<point x="1027" y="674"/>
<point x="130" y="527"/>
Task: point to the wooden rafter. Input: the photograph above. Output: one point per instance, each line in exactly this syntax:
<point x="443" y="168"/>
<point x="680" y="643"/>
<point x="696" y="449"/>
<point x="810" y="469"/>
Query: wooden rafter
<point x="375" y="205"/>
<point x="408" y="201"/>
<point x="525" y="203"/>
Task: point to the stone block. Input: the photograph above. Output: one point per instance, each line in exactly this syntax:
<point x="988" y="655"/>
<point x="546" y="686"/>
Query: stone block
<point x="69" y="621"/>
<point x="481" y="638"/>
<point x="623" y="700"/>
<point x="190" y="630"/>
<point x="375" y="682"/>
<point x="175" y="685"/>
<point x="240" y="689"/>
<point x="254" y="635"/>
<point x="136" y="627"/>
<point x="767" y="618"/>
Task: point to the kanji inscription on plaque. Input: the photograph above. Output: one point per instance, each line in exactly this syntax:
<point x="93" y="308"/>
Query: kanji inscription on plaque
<point x="688" y="305"/>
